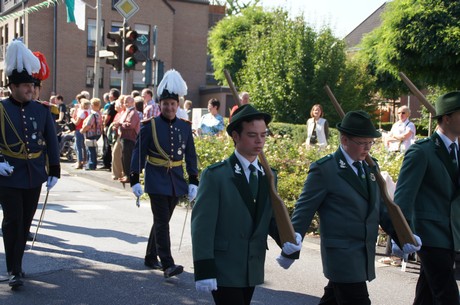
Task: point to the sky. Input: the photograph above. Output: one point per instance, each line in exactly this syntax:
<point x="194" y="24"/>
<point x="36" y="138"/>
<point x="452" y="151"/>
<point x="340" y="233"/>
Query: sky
<point x="341" y="15"/>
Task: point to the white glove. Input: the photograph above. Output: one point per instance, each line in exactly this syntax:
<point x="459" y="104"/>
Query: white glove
<point x="192" y="191"/>
<point x="284" y="262"/>
<point x="290" y="248"/>
<point x="6" y="169"/>
<point x="206" y="285"/>
<point x="137" y="190"/>
<point x="407" y="248"/>
<point x="51" y="182"/>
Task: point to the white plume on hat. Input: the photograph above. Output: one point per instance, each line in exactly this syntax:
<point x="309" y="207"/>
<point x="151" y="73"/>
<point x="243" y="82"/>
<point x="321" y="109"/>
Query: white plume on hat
<point x="19" y="57"/>
<point x="173" y="82"/>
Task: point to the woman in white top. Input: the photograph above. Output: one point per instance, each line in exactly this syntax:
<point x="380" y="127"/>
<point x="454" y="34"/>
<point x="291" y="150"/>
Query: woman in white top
<point x="402" y="133"/>
<point x="317" y="128"/>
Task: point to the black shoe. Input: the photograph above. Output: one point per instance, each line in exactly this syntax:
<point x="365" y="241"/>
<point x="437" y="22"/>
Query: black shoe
<point x="173" y="270"/>
<point x="104" y="168"/>
<point x="155" y="265"/>
<point x="15" y="281"/>
<point x="30" y="237"/>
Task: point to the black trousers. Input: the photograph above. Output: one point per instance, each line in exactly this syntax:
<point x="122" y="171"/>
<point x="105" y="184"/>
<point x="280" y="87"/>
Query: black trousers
<point x="233" y="295"/>
<point x="106" y="151"/>
<point x="436" y="284"/>
<point x="159" y="243"/>
<point x="345" y="294"/>
<point x="19" y="206"/>
<point x="127" y="147"/>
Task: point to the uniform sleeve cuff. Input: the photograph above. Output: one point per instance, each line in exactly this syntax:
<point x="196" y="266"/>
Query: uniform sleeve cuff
<point x="134" y="178"/>
<point x="193" y="179"/>
<point x="55" y="171"/>
<point x="205" y="269"/>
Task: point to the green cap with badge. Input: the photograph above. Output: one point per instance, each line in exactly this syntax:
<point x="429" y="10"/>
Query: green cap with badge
<point x="359" y="124"/>
<point x="447" y="103"/>
<point x="246" y="113"/>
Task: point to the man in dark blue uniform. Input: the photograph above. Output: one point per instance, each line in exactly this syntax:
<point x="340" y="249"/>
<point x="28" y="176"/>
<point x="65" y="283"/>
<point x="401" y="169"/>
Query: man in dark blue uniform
<point x="161" y="146"/>
<point x="29" y="156"/>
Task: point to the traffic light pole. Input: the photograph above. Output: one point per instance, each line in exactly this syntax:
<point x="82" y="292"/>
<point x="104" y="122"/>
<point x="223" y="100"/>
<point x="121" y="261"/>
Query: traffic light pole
<point x="123" y="44"/>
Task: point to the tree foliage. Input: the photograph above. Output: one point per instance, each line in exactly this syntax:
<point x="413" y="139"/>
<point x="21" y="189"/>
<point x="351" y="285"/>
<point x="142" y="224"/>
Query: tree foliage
<point x="284" y="64"/>
<point x="235" y="7"/>
<point x="420" y="38"/>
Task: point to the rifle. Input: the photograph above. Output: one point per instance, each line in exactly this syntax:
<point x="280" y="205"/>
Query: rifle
<point x="400" y="224"/>
<point x="283" y="221"/>
<point x="417" y="93"/>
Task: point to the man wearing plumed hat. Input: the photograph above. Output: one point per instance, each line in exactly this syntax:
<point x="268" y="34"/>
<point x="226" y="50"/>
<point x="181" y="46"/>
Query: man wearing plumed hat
<point x="162" y="145"/>
<point x="29" y="155"/>
<point x="343" y="189"/>
<point x="428" y="193"/>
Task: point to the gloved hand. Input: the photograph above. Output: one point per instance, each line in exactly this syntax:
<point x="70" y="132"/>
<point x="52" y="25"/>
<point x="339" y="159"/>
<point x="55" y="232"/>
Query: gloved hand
<point x="51" y="182"/>
<point x="137" y="190"/>
<point x="6" y="169"/>
<point x="290" y="248"/>
<point x="284" y="262"/>
<point x="407" y="248"/>
<point x="206" y="285"/>
<point x="192" y="191"/>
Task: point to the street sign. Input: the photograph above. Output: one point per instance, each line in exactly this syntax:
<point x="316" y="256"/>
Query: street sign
<point x="143" y="39"/>
<point x="126" y="8"/>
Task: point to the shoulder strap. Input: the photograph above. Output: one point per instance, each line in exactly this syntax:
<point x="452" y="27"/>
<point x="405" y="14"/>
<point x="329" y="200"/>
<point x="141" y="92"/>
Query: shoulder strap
<point x="155" y="141"/>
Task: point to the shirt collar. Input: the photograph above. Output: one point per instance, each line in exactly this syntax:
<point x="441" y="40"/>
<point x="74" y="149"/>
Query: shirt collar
<point x="245" y="162"/>
<point x="347" y="156"/>
<point x="446" y="140"/>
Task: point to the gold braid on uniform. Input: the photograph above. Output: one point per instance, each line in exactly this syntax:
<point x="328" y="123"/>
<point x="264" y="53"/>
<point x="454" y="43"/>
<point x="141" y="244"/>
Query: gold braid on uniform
<point x="5" y="147"/>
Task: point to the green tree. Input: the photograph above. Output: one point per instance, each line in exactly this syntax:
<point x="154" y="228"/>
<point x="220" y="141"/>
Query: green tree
<point x="420" y="38"/>
<point x="235" y="7"/>
<point x="284" y="65"/>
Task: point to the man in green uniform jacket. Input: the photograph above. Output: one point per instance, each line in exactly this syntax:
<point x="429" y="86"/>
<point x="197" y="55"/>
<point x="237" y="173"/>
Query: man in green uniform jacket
<point x="428" y="194"/>
<point x="343" y="189"/>
<point x="231" y="219"/>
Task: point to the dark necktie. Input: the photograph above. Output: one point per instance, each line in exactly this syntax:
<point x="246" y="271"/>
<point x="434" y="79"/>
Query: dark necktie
<point x="253" y="183"/>
<point x="361" y="174"/>
<point x="453" y="154"/>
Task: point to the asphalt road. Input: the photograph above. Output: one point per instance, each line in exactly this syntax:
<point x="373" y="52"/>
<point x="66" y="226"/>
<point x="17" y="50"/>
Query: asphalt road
<point x="91" y="246"/>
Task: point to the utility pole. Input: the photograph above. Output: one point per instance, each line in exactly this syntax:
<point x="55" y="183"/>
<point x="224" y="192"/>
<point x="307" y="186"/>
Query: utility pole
<point x="97" y="47"/>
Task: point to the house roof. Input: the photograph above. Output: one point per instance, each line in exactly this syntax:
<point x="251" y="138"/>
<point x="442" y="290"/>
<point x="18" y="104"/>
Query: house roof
<point x="369" y="24"/>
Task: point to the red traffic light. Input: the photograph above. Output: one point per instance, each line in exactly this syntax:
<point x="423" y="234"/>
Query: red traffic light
<point x="131" y="49"/>
<point x="131" y="35"/>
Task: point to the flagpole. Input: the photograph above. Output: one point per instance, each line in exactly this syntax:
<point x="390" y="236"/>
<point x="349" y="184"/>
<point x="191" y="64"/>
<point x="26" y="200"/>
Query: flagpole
<point x="97" y="47"/>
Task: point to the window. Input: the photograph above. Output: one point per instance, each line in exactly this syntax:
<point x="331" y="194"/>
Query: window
<point x="113" y="4"/>
<point x="115" y="79"/>
<point x="18" y="27"/>
<point x="138" y="84"/>
<point x="92" y="37"/>
<point x="90" y="77"/>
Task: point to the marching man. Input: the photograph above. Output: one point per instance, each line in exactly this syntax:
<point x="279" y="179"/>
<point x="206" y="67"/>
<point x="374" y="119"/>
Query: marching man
<point x="27" y="143"/>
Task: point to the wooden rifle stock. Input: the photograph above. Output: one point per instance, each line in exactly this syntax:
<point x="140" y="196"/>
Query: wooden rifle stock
<point x="417" y="93"/>
<point x="283" y="221"/>
<point x="400" y="224"/>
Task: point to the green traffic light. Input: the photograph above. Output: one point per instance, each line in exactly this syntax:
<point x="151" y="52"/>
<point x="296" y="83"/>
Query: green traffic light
<point x="130" y="62"/>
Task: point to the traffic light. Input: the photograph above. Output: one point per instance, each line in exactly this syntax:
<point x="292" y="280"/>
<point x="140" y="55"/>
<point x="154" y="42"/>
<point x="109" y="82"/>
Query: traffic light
<point x="116" y="48"/>
<point x="147" y="72"/>
<point x="130" y="49"/>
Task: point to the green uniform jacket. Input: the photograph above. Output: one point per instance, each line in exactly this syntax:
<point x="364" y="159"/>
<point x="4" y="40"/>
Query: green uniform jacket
<point x="229" y="241"/>
<point x="349" y="218"/>
<point x="428" y="194"/>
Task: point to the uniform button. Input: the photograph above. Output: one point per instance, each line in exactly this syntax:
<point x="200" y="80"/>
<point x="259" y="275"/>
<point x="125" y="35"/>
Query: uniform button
<point x="27" y="144"/>
<point x="23" y="116"/>
<point x="25" y="129"/>
<point x="172" y="144"/>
